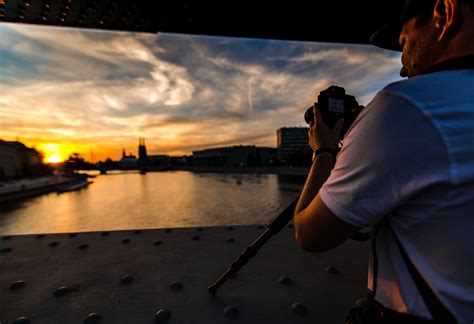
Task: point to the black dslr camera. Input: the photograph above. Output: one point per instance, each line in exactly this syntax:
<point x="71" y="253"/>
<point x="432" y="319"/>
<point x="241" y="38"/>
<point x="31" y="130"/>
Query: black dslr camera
<point x="334" y="104"/>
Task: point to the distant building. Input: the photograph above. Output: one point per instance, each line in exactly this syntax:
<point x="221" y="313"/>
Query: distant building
<point x="159" y="160"/>
<point x="17" y="160"/>
<point x="235" y="156"/>
<point x="128" y="161"/>
<point x="292" y="144"/>
<point x="142" y="153"/>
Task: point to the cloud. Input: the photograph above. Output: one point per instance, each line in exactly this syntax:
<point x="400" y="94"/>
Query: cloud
<point x="181" y="92"/>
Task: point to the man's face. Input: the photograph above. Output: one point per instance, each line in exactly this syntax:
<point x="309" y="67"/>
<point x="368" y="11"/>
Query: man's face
<point x="419" y="45"/>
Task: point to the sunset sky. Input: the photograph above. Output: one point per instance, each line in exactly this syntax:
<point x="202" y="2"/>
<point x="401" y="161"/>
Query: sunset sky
<point x="67" y="90"/>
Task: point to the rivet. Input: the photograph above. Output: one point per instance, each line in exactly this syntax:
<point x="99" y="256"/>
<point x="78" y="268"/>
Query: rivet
<point x="92" y="318"/>
<point x="126" y="279"/>
<point x="361" y="303"/>
<point x="105" y="233"/>
<point x="199" y="229"/>
<point x="6" y="238"/>
<point x="17" y="285"/>
<point x="196" y="238"/>
<point x="83" y="246"/>
<point x="168" y="230"/>
<point x="260" y="226"/>
<point x="157" y="243"/>
<point x="137" y="232"/>
<point x="230" y="228"/>
<point x="332" y="270"/>
<point x="176" y="285"/>
<point x="61" y="291"/>
<point x="284" y="280"/>
<point x="39" y="236"/>
<point x="231" y="312"/>
<point x="162" y="315"/>
<point x="125" y="241"/>
<point x="291" y="225"/>
<point x="53" y="244"/>
<point x="299" y="308"/>
<point x="73" y="235"/>
<point x="5" y="250"/>
<point x="230" y="240"/>
<point x="22" y="320"/>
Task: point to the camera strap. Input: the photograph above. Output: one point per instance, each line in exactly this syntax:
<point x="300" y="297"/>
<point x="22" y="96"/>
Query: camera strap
<point x="438" y="310"/>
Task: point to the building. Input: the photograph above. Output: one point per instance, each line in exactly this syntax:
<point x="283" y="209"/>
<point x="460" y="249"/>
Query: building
<point x="235" y="156"/>
<point x="292" y="145"/>
<point x="142" y="153"/>
<point x="17" y="160"/>
<point x="128" y="161"/>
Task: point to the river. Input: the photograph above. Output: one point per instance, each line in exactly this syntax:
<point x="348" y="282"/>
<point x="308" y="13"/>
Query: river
<point x="128" y="200"/>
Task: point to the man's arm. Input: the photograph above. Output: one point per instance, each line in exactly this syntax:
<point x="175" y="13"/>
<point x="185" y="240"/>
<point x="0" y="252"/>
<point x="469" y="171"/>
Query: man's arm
<point x="317" y="229"/>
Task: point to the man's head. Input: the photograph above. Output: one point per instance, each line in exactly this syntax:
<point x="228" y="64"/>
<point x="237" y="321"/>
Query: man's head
<point x="429" y="32"/>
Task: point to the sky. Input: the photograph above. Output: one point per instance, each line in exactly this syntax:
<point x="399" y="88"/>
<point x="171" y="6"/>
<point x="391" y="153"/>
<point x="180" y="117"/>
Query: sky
<point x="65" y="90"/>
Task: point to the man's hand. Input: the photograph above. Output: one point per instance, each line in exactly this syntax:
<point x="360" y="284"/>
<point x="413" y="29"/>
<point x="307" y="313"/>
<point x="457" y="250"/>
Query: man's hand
<point x="320" y="135"/>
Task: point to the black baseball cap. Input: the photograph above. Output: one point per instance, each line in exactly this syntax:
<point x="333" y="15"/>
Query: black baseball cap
<point x="387" y="36"/>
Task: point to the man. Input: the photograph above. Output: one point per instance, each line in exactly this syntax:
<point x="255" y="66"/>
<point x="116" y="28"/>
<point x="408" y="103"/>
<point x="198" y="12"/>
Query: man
<point x="407" y="164"/>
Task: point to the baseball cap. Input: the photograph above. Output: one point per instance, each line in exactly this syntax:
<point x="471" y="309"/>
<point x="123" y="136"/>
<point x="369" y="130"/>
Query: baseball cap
<point x="387" y="36"/>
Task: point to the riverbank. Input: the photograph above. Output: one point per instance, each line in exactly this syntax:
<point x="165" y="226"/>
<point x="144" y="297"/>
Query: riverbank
<point x="297" y="171"/>
<point x="25" y="188"/>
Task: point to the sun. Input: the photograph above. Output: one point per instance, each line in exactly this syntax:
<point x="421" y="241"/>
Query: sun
<point x="54" y="159"/>
<point x="54" y="152"/>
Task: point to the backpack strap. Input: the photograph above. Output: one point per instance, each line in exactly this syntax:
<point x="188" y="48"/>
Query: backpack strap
<point x="438" y="311"/>
<point x="375" y="263"/>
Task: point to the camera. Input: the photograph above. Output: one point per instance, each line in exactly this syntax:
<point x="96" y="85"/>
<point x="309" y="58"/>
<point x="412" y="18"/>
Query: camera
<point x="334" y="104"/>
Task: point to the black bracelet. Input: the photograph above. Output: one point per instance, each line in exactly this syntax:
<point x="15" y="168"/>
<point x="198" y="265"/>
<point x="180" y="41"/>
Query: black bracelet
<point x="324" y="150"/>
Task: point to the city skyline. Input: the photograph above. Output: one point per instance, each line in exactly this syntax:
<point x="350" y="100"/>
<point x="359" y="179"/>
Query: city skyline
<point x="77" y="90"/>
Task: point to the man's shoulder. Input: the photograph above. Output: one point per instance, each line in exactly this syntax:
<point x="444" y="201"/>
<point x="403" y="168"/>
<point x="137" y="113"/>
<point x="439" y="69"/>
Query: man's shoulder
<point x="430" y="87"/>
<point x="408" y="87"/>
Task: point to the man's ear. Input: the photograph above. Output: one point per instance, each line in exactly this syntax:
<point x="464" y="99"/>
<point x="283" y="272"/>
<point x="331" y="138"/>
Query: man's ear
<point x="445" y="17"/>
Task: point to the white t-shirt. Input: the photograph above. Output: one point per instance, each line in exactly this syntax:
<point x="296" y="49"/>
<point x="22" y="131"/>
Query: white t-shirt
<point x="409" y="157"/>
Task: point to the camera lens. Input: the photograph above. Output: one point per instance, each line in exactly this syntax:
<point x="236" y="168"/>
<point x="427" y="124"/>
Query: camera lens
<point x="309" y="115"/>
